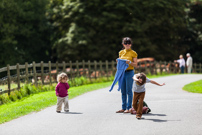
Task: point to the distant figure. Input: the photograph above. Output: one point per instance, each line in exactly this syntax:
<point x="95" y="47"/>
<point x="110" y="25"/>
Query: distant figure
<point x="62" y="92"/>
<point x="189" y="63"/>
<point x="181" y="62"/>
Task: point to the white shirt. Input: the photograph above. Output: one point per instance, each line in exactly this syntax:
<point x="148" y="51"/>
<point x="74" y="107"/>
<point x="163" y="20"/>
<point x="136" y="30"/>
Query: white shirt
<point x="189" y="61"/>
<point x="181" y="62"/>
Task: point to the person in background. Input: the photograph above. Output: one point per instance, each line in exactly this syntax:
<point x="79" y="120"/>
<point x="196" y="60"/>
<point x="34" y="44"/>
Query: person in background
<point x="62" y="92"/>
<point x="126" y="88"/>
<point x="181" y="62"/>
<point x="189" y="63"/>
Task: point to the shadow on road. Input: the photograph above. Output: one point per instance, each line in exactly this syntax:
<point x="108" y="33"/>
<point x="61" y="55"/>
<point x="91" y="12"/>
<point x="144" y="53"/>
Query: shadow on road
<point x="72" y="113"/>
<point x="151" y="114"/>
<point x="155" y="120"/>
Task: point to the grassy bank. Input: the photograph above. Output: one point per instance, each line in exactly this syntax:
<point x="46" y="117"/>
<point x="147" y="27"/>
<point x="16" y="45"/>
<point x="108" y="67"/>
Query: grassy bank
<point x="36" y="102"/>
<point x="40" y="101"/>
<point x="195" y="87"/>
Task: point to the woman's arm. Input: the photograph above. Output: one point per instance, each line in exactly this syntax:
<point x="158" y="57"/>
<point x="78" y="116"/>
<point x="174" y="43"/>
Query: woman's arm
<point x="157" y="83"/>
<point x="133" y="63"/>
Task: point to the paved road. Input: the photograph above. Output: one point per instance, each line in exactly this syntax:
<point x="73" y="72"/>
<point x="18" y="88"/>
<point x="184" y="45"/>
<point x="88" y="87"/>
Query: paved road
<point x="174" y="112"/>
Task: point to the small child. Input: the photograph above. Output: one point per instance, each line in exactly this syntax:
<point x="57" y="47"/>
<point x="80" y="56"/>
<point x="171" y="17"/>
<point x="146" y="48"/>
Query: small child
<point x="139" y="92"/>
<point x="62" y="92"/>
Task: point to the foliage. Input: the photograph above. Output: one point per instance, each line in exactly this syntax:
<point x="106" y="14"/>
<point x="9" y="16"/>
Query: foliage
<point x="24" y="31"/>
<point x="193" y="36"/>
<point x="64" y="30"/>
<point x="98" y="27"/>
<point x="29" y="89"/>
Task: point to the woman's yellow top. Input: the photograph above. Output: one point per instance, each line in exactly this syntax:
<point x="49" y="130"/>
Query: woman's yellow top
<point x="128" y="55"/>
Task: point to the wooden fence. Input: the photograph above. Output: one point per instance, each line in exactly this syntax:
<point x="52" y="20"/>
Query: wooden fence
<point x="46" y="73"/>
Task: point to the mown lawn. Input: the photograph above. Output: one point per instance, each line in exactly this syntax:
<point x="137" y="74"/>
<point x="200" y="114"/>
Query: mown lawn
<point x="195" y="87"/>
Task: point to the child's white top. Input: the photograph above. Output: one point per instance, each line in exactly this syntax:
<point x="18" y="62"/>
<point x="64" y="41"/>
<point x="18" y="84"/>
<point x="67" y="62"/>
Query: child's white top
<point x="139" y="88"/>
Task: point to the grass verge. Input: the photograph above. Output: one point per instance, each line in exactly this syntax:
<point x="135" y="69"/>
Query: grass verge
<point x="37" y="102"/>
<point x="40" y="101"/>
<point x="195" y="87"/>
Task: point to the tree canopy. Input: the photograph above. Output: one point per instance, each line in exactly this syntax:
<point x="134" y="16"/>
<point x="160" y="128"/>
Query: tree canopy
<point x="63" y="30"/>
<point x="94" y="30"/>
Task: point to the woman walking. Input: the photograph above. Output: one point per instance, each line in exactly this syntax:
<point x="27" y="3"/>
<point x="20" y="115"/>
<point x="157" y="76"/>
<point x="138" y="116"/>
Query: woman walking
<point x="126" y="88"/>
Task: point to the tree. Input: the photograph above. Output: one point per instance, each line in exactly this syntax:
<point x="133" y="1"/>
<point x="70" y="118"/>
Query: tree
<point x="94" y="30"/>
<point x="194" y="30"/>
<point x="24" y="30"/>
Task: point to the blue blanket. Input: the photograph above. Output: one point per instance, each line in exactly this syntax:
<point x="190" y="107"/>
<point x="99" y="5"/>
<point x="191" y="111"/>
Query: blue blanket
<point x="121" y="67"/>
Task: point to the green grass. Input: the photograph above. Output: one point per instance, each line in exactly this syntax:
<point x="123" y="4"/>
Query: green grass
<point x="195" y="87"/>
<point x="37" y="102"/>
<point x="40" y="101"/>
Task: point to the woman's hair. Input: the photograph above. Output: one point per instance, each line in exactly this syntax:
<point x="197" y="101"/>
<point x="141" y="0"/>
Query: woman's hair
<point x="61" y="76"/>
<point x="143" y="77"/>
<point x="126" y="39"/>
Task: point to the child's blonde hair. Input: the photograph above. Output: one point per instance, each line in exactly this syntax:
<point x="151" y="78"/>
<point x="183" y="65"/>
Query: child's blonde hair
<point x="61" y="76"/>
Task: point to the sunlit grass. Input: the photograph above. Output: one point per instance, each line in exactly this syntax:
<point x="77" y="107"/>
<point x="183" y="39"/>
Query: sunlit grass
<point x="195" y="87"/>
<point x="40" y="101"/>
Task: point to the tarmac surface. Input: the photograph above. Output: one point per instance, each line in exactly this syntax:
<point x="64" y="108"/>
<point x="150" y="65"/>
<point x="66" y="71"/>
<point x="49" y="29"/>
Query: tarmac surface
<point x="173" y="112"/>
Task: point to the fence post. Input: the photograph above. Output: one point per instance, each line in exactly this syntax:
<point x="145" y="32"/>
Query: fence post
<point x="9" y="79"/>
<point x="175" y="68"/>
<point x="155" y="67"/>
<point x="56" y="68"/>
<point x="165" y="66"/>
<point x="145" y="66"/>
<point x="49" y="67"/>
<point x="71" y="70"/>
<point x="18" y="75"/>
<point x="160" y="67"/>
<point x="100" y="63"/>
<point x="26" y="72"/>
<point x="77" y="68"/>
<point x="150" y="68"/>
<point x="42" y="73"/>
<point x="89" y="70"/>
<point x="107" y="68"/>
<point x="34" y="70"/>
<point x="83" y="66"/>
<point x="95" y="69"/>
<point x="64" y="67"/>
<point x="195" y="67"/>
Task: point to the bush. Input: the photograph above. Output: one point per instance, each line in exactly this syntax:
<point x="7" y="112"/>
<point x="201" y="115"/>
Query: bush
<point x="4" y="98"/>
<point x="18" y="94"/>
<point x="29" y="89"/>
<point x="23" y="91"/>
<point x="13" y="96"/>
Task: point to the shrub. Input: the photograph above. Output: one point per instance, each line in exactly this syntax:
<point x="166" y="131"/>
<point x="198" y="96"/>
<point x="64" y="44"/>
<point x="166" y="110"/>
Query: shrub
<point x="18" y="94"/>
<point x="23" y="91"/>
<point x="4" y="98"/>
<point x="13" y="96"/>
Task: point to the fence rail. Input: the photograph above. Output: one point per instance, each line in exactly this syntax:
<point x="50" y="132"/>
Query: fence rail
<point x="46" y="73"/>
